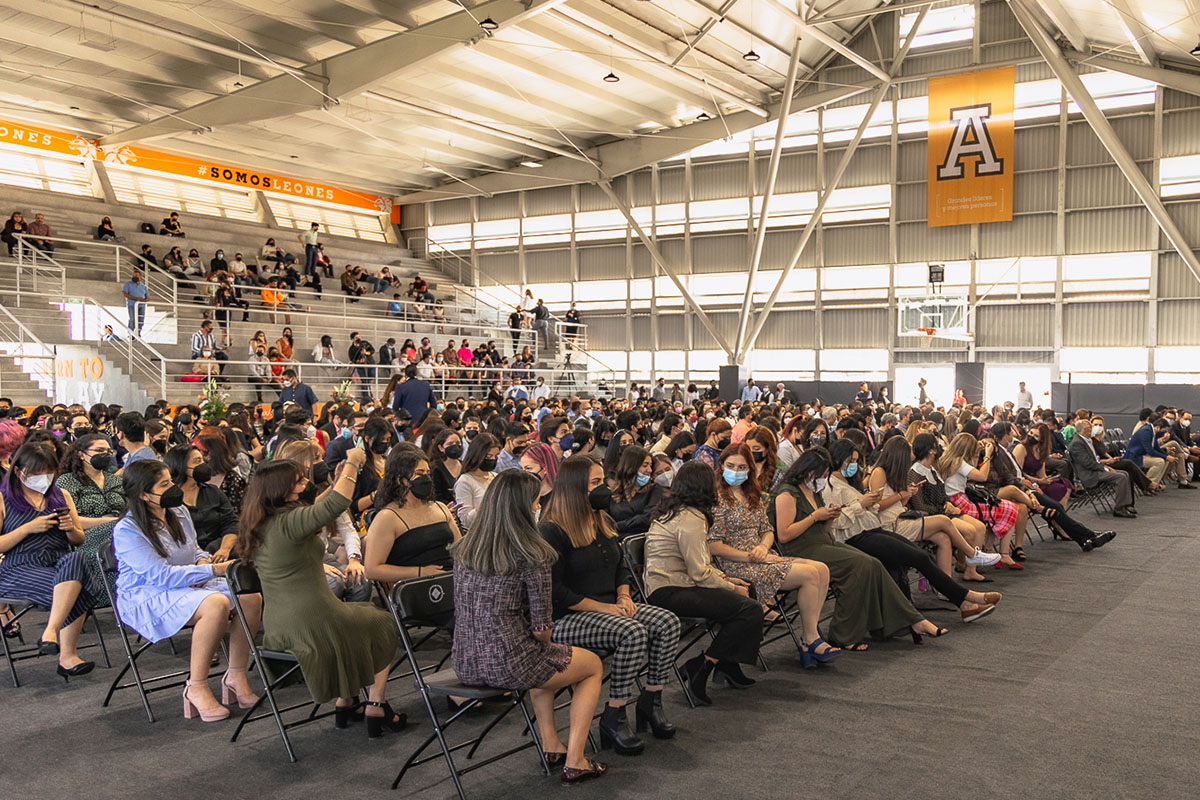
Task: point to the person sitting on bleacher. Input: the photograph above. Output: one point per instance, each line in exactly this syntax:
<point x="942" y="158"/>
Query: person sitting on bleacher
<point x="419" y="289"/>
<point x="323" y="261"/>
<point x="105" y="231"/>
<point x="39" y="233"/>
<point x="272" y="252"/>
<point x="192" y="265"/>
<point x="273" y="298"/>
<point x="170" y="226"/>
<point x="350" y="284"/>
<point x="218" y="262"/>
<point x="377" y="283"/>
<point x="172" y="262"/>
<point x="147" y="256"/>
<point x="12" y="226"/>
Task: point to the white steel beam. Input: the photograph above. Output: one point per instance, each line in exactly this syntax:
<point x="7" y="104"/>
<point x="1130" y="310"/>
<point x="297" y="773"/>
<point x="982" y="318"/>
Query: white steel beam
<point x="823" y="200"/>
<point x="769" y="192"/>
<point x="1065" y="23"/>
<point x="345" y="74"/>
<point x="1136" y="30"/>
<point x="657" y="255"/>
<point x="627" y="155"/>
<point x="824" y="38"/>
<point x="1172" y="79"/>
<point x="1103" y="129"/>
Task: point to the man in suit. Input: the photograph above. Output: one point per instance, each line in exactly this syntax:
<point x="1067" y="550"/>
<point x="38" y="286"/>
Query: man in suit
<point x="1143" y="450"/>
<point x="1092" y="473"/>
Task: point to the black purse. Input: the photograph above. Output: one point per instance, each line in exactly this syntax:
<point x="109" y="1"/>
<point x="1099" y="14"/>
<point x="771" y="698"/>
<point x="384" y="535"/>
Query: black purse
<point x="979" y="493"/>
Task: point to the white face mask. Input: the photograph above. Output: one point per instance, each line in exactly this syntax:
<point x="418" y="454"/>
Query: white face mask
<point x="38" y="483"/>
<point x="817" y="484"/>
<point x="663" y="479"/>
<point x="1187" y="423"/>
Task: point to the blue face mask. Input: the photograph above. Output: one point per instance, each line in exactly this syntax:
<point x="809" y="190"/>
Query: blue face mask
<point x="851" y="469"/>
<point x="642" y="479"/>
<point x="735" y="477"/>
<point x="565" y="442"/>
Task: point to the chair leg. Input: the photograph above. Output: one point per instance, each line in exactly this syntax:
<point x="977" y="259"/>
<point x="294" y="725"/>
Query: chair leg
<point x="533" y="734"/>
<point x="100" y="639"/>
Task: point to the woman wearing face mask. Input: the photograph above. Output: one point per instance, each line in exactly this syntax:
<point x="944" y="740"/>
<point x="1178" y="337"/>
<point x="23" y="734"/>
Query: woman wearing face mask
<point x="556" y="432"/>
<point x="539" y="461"/>
<point x="718" y="434"/>
<point x="1137" y="476"/>
<point x="340" y="541"/>
<point x="616" y="444"/>
<point x="740" y="541"/>
<point x="790" y="442"/>
<point x="663" y="471"/>
<point x="478" y="471"/>
<point x="861" y="524"/>
<point x="88" y="474"/>
<point x="680" y="449"/>
<point x="101" y="419"/>
<point x="211" y="512"/>
<point x="445" y="464"/>
<point x="166" y="582"/>
<point x="766" y="460"/>
<point x="412" y="532"/>
<point x="184" y="428"/>
<point x="38" y="528"/>
<point x="285" y="344"/>
<point x="225" y="474"/>
<point x="932" y="499"/>
<point x="633" y="491"/>
<point x="815" y="434"/>
<point x="377" y="438"/>
<point x="1032" y="455"/>
<point x="341" y="647"/>
<point x="594" y="609"/>
<point x="869" y="602"/>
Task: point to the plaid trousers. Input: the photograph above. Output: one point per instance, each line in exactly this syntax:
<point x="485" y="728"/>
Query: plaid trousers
<point x="650" y="637"/>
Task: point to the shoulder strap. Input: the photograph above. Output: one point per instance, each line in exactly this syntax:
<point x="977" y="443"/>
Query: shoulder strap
<point x="397" y="514"/>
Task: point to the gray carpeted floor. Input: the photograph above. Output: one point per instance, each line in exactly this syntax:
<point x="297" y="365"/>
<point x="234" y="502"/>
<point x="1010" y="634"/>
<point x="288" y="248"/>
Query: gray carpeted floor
<point x="1081" y="685"/>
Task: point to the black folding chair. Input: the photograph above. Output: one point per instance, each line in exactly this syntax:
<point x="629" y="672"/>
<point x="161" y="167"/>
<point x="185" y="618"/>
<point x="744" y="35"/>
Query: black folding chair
<point x="20" y="607"/>
<point x="106" y="561"/>
<point x="243" y="579"/>
<point x="422" y="599"/>
<point x="633" y="549"/>
<point x="431" y="628"/>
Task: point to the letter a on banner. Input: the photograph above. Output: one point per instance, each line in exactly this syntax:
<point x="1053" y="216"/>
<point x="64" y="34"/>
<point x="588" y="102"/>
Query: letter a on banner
<point x="971" y="148"/>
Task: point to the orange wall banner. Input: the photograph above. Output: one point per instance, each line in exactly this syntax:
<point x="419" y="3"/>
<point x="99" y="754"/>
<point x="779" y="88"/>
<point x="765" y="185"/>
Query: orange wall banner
<point x="156" y="161"/>
<point x="971" y="147"/>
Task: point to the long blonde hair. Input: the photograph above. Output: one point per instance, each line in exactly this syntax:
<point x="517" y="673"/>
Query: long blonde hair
<point x="963" y="447"/>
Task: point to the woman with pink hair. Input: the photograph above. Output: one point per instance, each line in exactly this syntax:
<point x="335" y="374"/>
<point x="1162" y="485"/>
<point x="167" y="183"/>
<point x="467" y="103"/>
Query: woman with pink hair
<point x="539" y="460"/>
<point x="12" y="435"/>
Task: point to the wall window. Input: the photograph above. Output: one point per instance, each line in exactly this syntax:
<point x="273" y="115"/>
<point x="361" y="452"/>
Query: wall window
<point x="1104" y="364"/>
<point x="335" y="220"/>
<point x="21" y="166"/>
<point x="941" y="25"/>
<point x="141" y="187"/>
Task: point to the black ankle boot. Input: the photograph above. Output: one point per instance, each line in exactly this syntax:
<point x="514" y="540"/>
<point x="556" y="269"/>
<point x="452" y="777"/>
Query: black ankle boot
<point x="650" y="715"/>
<point x="731" y="673"/>
<point x="616" y="733"/>
<point x="697" y="671"/>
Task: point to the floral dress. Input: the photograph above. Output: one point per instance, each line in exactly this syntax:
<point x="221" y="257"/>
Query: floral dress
<point x="742" y="527"/>
<point x="94" y="501"/>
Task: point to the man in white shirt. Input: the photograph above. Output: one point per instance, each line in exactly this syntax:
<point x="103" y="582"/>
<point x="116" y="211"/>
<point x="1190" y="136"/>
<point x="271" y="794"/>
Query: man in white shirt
<point x="425" y="369"/>
<point x="541" y="391"/>
<point x="751" y="393"/>
<point x="309" y="240"/>
<point x="1024" y="397"/>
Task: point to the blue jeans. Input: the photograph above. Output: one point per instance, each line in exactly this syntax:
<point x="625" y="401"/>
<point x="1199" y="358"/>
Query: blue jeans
<point x="137" y="316"/>
<point x="310" y="259"/>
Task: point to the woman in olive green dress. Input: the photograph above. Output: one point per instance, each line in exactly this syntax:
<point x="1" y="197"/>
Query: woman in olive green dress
<point x="869" y="602"/>
<point x="341" y="647"/>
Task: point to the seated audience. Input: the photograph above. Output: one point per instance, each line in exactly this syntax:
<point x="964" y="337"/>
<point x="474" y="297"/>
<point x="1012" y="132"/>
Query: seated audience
<point x="171" y="226"/>
<point x="212" y="514"/>
<point x="632" y="491"/>
<point x="445" y="451"/>
<point x="478" y="470"/>
<point x="88" y="473"/>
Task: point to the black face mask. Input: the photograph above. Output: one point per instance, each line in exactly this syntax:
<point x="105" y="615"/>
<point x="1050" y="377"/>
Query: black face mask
<point x="471" y="434"/>
<point x="600" y="498"/>
<point x="519" y="449"/>
<point x="202" y="474"/>
<point x="760" y="456"/>
<point x="454" y="451"/>
<point x="422" y="487"/>
<point x="380" y="447"/>
<point x="171" y="498"/>
<point x="320" y="472"/>
<point x="159" y="446"/>
<point x="184" y="420"/>
<point x="101" y="461"/>
<point x="488" y="465"/>
<point x="83" y="431"/>
<point x="816" y="441"/>
<point x="308" y="494"/>
<point x="723" y="443"/>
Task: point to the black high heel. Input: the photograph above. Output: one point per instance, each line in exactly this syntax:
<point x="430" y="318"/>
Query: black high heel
<point x="344" y="715"/>
<point x="616" y="733"/>
<point x="731" y="673"/>
<point x="650" y="715"/>
<point x="47" y="648"/>
<point x="82" y="668"/>
<point x="697" y="671"/>
<point x="391" y="720"/>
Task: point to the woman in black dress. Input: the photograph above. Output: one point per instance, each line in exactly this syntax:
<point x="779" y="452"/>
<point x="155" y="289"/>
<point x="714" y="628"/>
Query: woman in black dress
<point x="634" y="493"/>
<point x="212" y="513"/>
<point x="445" y="449"/>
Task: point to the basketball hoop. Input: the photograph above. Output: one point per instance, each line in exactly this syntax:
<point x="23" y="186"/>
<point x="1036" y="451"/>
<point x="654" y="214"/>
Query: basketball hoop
<point x="927" y="334"/>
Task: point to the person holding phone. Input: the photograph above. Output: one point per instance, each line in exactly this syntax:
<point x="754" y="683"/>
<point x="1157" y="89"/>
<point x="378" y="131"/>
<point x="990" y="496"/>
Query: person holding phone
<point x="869" y="601"/>
<point x="861" y="524"/>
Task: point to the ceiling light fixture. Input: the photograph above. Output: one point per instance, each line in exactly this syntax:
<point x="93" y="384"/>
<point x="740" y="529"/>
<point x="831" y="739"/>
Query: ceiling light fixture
<point x="750" y="55"/>
<point x="489" y="24"/>
<point x="611" y="78"/>
<point x="532" y="164"/>
<point x="1196" y="51"/>
<point x="703" y="116"/>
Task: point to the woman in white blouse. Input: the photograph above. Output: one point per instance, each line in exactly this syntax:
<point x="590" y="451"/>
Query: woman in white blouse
<point x="323" y="352"/>
<point x="477" y="472"/>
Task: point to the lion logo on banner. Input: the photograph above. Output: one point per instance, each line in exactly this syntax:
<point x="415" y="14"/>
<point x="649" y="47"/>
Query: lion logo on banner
<point x="384" y="204"/>
<point x="86" y="148"/>
<point x="124" y="155"/>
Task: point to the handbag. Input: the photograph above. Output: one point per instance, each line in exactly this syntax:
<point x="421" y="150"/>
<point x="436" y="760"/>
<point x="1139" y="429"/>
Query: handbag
<point x="979" y="493"/>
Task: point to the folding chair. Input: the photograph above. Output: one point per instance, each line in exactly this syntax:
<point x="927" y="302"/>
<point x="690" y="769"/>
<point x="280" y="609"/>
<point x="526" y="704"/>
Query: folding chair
<point x="20" y="607"/>
<point x="633" y="549"/>
<point x="243" y="579"/>
<point x="383" y="590"/>
<point x="106" y="561"/>
<point x="422" y="599"/>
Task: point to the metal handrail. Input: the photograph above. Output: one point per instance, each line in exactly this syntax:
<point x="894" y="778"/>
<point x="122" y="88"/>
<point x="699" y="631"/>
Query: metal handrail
<point x="29" y="257"/>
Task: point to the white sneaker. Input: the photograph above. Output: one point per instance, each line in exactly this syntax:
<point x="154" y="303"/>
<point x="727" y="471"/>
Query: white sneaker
<point x="982" y="559"/>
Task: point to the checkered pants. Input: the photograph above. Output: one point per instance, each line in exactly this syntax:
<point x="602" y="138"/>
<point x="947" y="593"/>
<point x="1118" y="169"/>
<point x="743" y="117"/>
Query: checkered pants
<point x="1002" y="517"/>
<point x="650" y="637"/>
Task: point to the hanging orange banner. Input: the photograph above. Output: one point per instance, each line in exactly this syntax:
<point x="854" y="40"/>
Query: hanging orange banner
<point x="156" y="161"/>
<point x="971" y="148"/>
